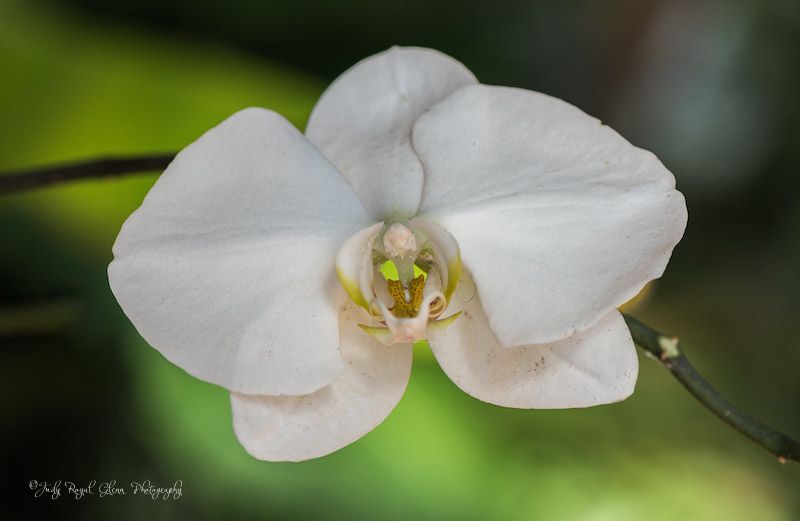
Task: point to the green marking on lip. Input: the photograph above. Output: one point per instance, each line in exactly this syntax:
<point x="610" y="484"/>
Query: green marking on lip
<point x="453" y="274"/>
<point x="352" y="288"/>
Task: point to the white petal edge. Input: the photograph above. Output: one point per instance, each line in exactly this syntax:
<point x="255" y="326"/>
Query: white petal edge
<point x="560" y="219"/>
<point x="363" y="122"/>
<point x="593" y="367"/>
<point x="354" y="265"/>
<point x="227" y="268"/>
<point x="446" y="252"/>
<point x="296" y="428"/>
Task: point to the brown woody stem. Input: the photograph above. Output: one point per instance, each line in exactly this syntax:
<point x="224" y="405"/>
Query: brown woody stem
<point x="11" y="182"/>
<point x="664" y="349"/>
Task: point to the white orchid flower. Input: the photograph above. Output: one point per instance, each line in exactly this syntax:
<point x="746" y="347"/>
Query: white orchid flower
<point x="229" y="268"/>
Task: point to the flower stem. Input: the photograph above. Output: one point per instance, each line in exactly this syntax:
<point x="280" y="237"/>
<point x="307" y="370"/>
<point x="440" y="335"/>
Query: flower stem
<point x="662" y="348"/>
<point x="18" y="181"/>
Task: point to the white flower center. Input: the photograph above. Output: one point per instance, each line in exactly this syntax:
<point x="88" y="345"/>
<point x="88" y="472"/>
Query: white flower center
<point x="408" y="277"/>
<point x="404" y="282"/>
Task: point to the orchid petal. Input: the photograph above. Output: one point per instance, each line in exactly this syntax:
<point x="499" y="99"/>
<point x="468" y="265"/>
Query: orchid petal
<point x="446" y="252"/>
<point x="354" y="265"/>
<point x="593" y="367"/>
<point x="295" y="428"/>
<point x="227" y="269"/>
<point x="363" y="122"/>
<point x="560" y="219"/>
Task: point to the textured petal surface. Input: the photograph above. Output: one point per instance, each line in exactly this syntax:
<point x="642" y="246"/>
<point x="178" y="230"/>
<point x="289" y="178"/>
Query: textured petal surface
<point x="227" y="268"/>
<point x="294" y="428"/>
<point x="363" y="122"/>
<point x="592" y="367"/>
<point x="559" y="218"/>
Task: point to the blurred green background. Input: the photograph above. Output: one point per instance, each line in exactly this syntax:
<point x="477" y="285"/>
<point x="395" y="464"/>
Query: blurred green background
<point x="711" y="87"/>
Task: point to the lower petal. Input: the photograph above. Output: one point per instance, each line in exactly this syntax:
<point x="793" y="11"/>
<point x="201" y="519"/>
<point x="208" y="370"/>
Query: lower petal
<point x="592" y="367"/>
<point x="296" y="428"/>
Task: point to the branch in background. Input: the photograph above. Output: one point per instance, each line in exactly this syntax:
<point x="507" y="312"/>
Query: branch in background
<point x="38" y="318"/>
<point x="662" y="348"/>
<point x="12" y="182"/>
